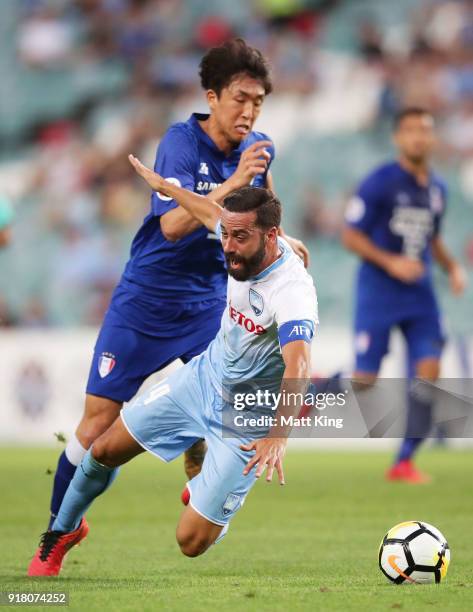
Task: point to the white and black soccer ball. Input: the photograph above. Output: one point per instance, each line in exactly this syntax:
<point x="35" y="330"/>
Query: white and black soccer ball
<point x="414" y="552"/>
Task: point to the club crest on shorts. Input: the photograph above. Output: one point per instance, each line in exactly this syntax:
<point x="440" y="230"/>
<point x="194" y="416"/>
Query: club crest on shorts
<point x="256" y="302"/>
<point x="106" y="364"/>
<point x="231" y="504"/>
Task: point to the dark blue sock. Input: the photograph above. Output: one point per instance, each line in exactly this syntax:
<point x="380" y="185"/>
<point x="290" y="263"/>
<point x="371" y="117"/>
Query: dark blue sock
<point x="64" y="474"/>
<point x="419" y="418"/>
<point x="408" y="448"/>
<point x="333" y="384"/>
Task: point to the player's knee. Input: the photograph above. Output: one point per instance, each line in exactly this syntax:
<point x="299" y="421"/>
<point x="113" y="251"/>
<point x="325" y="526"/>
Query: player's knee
<point x="86" y="438"/>
<point x="192" y="544"/>
<point x="103" y="452"/>
<point x="428" y="369"/>
<point x="91" y="427"/>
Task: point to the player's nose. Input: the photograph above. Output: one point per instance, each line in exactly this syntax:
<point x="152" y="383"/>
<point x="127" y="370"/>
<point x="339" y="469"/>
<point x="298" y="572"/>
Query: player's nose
<point x="229" y="246"/>
<point x="248" y="111"/>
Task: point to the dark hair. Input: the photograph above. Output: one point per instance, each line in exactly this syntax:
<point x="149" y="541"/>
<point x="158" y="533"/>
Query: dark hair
<point x="410" y="111"/>
<point x="262" y="201"/>
<point x="221" y="64"/>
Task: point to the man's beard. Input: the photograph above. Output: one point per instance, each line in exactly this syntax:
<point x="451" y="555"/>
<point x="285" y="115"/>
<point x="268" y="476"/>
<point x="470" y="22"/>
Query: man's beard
<point x="249" y="265"/>
<point x="417" y="159"/>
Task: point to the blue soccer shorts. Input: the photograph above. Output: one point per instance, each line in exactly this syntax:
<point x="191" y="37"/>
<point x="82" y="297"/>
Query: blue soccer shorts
<point x="171" y="416"/>
<point x="422" y="331"/>
<point x="124" y="357"/>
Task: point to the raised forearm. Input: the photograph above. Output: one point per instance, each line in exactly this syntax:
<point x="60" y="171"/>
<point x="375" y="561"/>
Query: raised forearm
<point x="226" y="188"/>
<point x="178" y="223"/>
<point x="205" y="210"/>
<point x="202" y="208"/>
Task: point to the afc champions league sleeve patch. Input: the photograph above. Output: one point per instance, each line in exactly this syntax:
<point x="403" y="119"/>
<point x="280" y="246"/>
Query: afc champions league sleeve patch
<point x="106" y="364"/>
<point x="256" y="302"/>
<point x="173" y="181"/>
<point x="296" y="330"/>
<point x="355" y="210"/>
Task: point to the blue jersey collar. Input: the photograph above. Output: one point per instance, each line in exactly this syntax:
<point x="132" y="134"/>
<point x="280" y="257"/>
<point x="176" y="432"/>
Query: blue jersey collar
<point x="204" y="137"/>
<point x="411" y="177"/>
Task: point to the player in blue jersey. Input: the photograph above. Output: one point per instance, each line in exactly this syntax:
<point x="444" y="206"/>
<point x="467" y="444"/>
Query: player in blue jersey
<point x="169" y="301"/>
<point x="266" y="332"/>
<point x="394" y="225"/>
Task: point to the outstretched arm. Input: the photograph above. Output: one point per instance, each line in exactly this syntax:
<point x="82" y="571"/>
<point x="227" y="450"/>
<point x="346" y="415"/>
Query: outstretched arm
<point x="269" y="451"/>
<point x="202" y="208"/>
<point x="177" y="223"/>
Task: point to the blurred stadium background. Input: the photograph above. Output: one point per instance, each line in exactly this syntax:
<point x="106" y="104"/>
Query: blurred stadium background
<point x="86" y="82"/>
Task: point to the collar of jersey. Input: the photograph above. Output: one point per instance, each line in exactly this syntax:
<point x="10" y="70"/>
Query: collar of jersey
<point x="413" y="179"/>
<point x="194" y="120"/>
<point x="276" y="264"/>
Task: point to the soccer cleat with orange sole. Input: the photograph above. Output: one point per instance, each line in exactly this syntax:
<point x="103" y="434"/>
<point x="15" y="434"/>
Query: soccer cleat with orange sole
<point x="53" y="547"/>
<point x="405" y="471"/>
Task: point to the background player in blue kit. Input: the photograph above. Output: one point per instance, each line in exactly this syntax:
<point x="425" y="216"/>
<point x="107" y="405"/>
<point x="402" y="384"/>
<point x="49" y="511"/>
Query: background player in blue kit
<point x="169" y="301"/>
<point x="393" y="224"/>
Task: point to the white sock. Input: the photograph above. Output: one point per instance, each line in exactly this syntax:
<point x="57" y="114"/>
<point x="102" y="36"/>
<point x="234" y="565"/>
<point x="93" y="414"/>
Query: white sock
<point x="74" y="450"/>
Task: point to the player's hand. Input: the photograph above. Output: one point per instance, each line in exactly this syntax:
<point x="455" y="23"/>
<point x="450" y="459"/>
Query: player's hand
<point x="404" y="268"/>
<point x="254" y="160"/>
<point x="269" y="453"/>
<point x="457" y="279"/>
<point x="154" y="180"/>
<point x="299" y="249"/>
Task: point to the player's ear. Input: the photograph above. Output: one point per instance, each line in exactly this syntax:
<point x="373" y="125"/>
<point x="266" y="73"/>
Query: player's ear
<point x="272" y="234"/>
<point x="212" y="99"/>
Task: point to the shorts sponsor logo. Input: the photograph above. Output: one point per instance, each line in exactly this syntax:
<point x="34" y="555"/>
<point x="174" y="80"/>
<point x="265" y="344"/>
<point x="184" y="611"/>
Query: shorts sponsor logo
<point x="256" y="302"/>
<point x="231" y="504"/>
<point x="106" y="364"/>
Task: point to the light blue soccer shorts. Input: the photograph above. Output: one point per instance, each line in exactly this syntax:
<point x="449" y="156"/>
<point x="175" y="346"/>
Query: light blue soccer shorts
<point x="172" y="415"/>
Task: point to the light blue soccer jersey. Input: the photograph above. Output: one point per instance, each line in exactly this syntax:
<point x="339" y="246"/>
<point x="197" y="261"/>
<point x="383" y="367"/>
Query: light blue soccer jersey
<point x="277" y="306"/>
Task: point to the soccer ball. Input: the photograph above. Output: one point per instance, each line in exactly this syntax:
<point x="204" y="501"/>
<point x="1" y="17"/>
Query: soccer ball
<point x="414" y="552"/>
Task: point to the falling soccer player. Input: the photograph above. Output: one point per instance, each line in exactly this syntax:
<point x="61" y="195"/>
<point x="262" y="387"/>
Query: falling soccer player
<point x="169" y="301"/>
<point x="266" y="331"/>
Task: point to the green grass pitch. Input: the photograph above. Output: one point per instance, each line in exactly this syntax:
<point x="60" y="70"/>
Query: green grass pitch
<point x="311" y="545"/>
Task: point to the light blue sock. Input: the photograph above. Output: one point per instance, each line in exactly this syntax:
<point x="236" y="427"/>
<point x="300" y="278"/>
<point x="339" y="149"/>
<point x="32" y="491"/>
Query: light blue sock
<point x="90" y="480"/>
